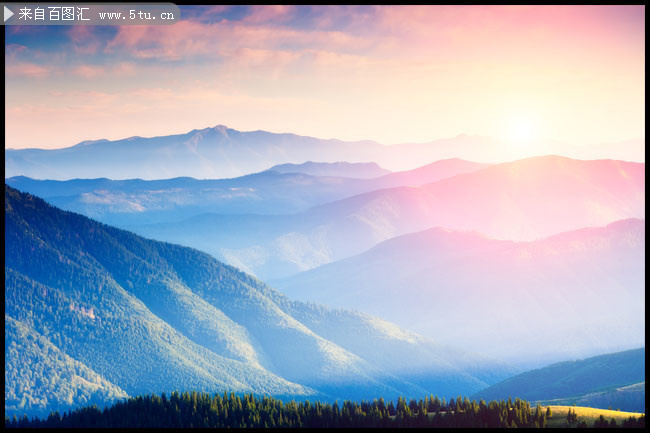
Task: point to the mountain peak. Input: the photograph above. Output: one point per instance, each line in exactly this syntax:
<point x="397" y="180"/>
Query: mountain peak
<point x="90" y="142"/>
<point x="221" y="128"/>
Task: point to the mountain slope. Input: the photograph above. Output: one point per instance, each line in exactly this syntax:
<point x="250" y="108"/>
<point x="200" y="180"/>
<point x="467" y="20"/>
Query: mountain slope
<point x="573" y="379"/>
<point x="57" y="379"/>
<point x="522" y="200"/>
<point x="429" y="173"/>
<point x="578" y="293"/>
<point x="629" y="398"/>
<point x="135" y="202"/>
<point x="147" y="316"/>
<point x="358" y="170"/>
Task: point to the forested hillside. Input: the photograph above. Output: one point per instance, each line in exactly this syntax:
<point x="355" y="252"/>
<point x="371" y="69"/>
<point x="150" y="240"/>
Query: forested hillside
<point x="584" y="382"/>
<point x="120" y="314"/>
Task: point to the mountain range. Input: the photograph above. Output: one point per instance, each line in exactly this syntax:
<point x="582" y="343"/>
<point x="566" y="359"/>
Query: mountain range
<point x="221" y="152"/>
<point x="392" y="279"/>
<point x="136" y="201"/>
<point x="522" y="200"/>
<point x="569" y="295"/>
<point x="94" y="313"/>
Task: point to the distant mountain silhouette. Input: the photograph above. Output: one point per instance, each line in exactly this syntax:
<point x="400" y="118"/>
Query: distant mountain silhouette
<point x="209" y="153"/>
<point x="522" y="200"/>
<point x="429" y="173"/>
<point x="137" y="201"/>
<point x="221" y="152"/>
<point x="360" y="170"/>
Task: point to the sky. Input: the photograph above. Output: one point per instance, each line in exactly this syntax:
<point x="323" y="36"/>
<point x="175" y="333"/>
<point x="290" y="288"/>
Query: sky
<point x="393" y="74"/>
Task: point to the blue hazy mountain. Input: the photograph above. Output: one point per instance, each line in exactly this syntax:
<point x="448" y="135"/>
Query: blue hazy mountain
<point x="522" y="200"/>
<point x="614" y="380"/>
<point x="137" y="201"/>
<point x="210" y="153"/>
<point x="221" y="152"/>
<point x="578" y="293"/>
<point x="94" y="313"/>
<point x="362" y="170"/>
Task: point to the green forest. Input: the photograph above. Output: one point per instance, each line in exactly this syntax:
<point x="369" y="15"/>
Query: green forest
<point x="194" y="409"/>
<point x="94" y="314"/>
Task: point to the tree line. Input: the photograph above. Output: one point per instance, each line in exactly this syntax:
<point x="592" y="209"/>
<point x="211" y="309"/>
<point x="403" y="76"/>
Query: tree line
<point x="194" y="409"/>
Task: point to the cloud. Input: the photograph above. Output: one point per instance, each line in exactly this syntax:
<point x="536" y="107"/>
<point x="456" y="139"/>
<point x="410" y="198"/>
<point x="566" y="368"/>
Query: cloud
<point x="192" y="39"/>
<point x="185" y="38"/>
<point x="23" y="30"/>
<point x="270" y="13"/>
<point x="124" y="69"/>
<point x="15" y="49"/>
<point x="214" y="9"/>
<point x="84" y="39"/>
<point x="30" y="70"/>
<point x="154" y="94"/>
<point x="88" y="71"/>
<point x="423" y="72"/>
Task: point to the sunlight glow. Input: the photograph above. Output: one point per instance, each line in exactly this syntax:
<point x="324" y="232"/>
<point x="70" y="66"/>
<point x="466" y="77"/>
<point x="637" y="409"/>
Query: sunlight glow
<point x="522" y="130"/>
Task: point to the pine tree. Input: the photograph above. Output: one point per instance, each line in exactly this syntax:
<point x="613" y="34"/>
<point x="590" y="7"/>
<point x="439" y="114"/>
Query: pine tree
<point x="601" y="422"/>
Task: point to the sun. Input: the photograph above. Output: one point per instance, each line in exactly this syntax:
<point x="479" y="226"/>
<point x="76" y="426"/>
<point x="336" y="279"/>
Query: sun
<point x="522" y="130"/>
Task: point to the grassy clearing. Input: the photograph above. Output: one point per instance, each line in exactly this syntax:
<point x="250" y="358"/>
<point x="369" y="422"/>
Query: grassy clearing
<point x="589" y="414"/>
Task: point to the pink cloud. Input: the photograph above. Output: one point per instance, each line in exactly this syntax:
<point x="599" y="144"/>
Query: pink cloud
<point x="19" y="30"/>
<point x="162" y="42"/>
<point x="216" y="9"/>
<point x="123" y="69"/>
<point x="489" y="30"/>
<point x="14" y="49"/>
<point x="84" y="39"/>
<point x="153" y="94"/>
<point x="30" y="70"/>
<point x="191" y="38"/>
<point x="338" y="60"/>
<point x="357" y="20"/>
<point x="88" y="71"/>
<point x="262" y="57"/>
<point x="266" y="13"/>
